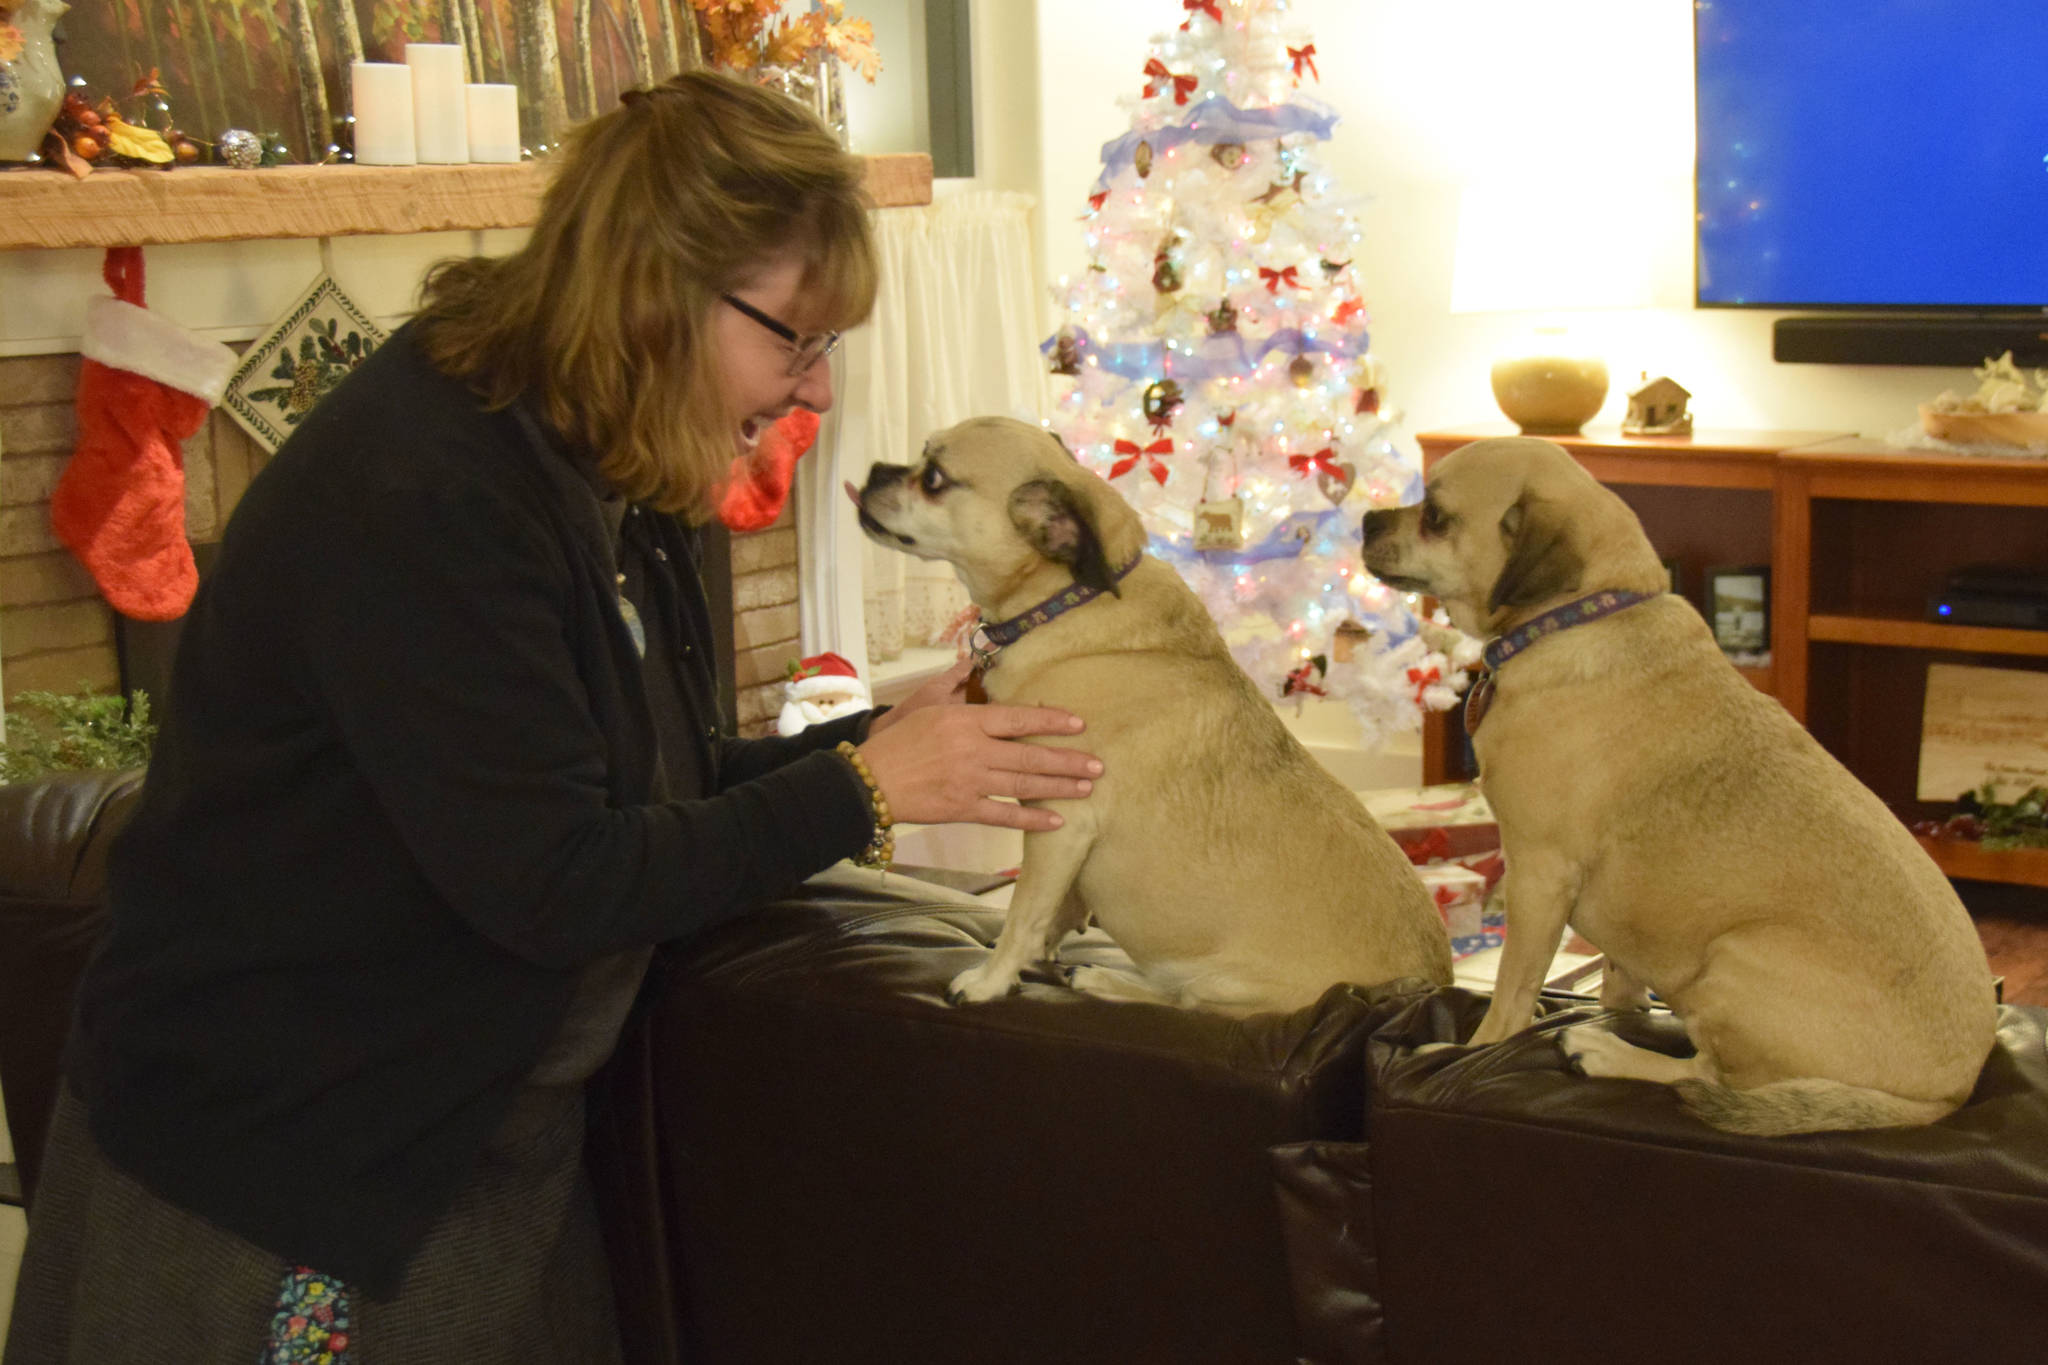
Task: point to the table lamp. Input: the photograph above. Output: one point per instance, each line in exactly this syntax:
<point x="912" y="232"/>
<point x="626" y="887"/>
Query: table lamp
<point x="1531" y="249"/>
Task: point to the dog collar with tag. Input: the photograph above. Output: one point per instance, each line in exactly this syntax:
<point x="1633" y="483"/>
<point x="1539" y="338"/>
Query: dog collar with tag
<point x="1504" y="647"/>
<point x="990" y="637"/>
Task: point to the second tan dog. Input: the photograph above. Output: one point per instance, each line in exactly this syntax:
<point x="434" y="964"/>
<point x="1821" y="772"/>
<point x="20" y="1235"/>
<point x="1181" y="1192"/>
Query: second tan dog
<point x="1683" y="822"/>
<point x="1236" y="872"/>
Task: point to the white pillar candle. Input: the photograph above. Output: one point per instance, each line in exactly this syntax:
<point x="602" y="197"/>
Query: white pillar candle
<point x="440" y="117"/>
<point x="493" y="122"/>
<point x="380" y="97"/>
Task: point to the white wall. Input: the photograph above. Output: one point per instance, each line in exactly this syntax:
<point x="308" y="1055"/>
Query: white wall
<point x="1595" y="93"/>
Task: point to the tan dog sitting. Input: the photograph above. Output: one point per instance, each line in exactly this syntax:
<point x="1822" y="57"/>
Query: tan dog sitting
<point x="1234" y="870"/>
<point x="1683" y="822"/>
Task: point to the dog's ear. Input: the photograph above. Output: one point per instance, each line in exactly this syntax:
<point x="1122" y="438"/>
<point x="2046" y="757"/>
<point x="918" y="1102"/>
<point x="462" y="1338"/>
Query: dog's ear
<point x="1541" y="561"/>
<point x="1051" y="517"/>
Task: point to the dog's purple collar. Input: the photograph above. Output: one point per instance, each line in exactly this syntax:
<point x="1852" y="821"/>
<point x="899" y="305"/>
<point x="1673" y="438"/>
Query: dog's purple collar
<point x="990" y="637"/>
<point x="1504" y="647"/>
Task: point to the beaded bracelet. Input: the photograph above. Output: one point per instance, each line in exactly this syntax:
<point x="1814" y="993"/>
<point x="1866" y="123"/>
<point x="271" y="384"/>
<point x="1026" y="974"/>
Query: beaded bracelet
<point x="881" y="849"/>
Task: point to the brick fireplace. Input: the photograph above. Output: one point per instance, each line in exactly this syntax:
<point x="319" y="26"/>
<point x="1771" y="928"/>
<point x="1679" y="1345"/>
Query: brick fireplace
<point x="57" y="632"/>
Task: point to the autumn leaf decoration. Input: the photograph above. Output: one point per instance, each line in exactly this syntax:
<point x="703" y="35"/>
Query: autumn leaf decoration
<point x="741" y="35"/>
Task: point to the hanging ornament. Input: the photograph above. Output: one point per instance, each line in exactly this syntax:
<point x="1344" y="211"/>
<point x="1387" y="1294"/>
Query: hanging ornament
<point x="1302" y="371"/>
<point x="1347" y="639"/>
<point x="1229" y="155"/>
<point x="1219" y="525"/>
<point x="1129" y="453"/>
<point x="1304" y="55"/>
<point x="1162" y="399"/>
<point x="1142" y="159"/>
<point x="1303" y="681"/>
<point x="1347" y="310"/>
<point x="240" y="148"/>
<point x="1332" y="269"/>
<point x="1227" y="420"/>
<point x="1212" y="8"/>
<point x="1166" y="270"/>
<point x="1066" y="353"/>
<point x="1273" y="279"/>
<point x="1336" y="481"/>
<point x="1096" y="201"/>
<point x="1279" y="190"/>
<point x="1322" y="461"/>
<point x="1157" y="77"/>
<point x="1165" y="274"/>
<point x="1365" y="377"/>
<point x="1222" y="318"/>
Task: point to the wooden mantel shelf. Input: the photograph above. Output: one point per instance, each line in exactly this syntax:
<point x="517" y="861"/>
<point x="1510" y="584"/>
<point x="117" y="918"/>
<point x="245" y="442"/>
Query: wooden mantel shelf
<point x="42" y="208"/>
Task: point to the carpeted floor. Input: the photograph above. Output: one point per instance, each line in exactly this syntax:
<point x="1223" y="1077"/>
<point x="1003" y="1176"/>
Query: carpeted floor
<point x="2013" y="921"/>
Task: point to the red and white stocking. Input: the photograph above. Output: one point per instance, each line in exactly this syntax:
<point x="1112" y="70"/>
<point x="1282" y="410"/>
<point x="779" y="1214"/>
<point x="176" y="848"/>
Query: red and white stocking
<point x="145" y="386"/>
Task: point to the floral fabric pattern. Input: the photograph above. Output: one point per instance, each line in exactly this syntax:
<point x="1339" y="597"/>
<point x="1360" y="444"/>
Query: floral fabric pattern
<point x="311" y="1324"/>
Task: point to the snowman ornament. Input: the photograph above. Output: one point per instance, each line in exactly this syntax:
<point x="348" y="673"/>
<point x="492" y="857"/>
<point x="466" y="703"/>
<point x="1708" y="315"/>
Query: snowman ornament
<point x="820" y="688"/>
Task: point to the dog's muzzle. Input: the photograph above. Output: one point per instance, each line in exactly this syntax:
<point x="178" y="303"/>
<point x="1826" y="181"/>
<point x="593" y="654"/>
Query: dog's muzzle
<point x="882" y="478"/>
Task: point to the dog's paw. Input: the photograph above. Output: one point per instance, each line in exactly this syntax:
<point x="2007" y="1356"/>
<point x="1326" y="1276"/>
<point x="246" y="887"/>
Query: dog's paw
<point x="978" y="985"/>
<point x="1593" y="1051"/>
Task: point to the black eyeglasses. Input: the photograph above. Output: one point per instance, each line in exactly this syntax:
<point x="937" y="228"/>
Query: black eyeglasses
<point x="805" y="351"/>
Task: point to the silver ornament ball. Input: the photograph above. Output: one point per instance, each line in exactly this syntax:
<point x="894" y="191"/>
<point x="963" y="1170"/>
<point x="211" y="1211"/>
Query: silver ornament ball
<point x="240" y="148"/>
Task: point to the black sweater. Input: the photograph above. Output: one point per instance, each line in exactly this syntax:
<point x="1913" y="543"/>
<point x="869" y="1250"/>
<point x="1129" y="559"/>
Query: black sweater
<point x="408" y="785"/>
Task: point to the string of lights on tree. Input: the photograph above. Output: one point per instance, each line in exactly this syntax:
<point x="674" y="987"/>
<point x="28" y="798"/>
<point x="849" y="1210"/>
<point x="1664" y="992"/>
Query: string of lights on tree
<point x="1218" y="369"/>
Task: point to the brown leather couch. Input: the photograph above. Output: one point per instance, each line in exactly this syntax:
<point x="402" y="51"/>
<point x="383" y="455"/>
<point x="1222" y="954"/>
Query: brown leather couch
<point x="804" y="1154"/>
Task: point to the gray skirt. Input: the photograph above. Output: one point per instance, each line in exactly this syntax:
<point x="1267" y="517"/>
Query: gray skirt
<point x="513" y="1272"/>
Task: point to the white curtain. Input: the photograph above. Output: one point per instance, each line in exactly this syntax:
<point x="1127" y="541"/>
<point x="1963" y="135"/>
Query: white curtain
<point x="954" y="335"/>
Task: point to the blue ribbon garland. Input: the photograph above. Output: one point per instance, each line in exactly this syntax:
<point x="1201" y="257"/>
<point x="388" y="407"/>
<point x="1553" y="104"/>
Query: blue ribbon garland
<point x="1216" y="120"/>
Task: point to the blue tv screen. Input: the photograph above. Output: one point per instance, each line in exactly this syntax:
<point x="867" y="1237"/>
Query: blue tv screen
<point x="1882" y="154"/>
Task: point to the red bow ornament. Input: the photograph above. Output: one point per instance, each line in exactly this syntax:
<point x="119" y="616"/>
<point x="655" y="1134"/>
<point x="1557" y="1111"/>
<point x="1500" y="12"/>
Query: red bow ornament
<point x="1132" y="452"/>
<point x="1422" y="679"/>
<point x="1302" y="464"/>
<point x="1194" y="7"/>
<point x="1303" y="680"/>
<point x="1183" y="86"/>
<point x="1273" y="279"/>
<point x="1097" y="200"/>
<point x="1304" y="56"/>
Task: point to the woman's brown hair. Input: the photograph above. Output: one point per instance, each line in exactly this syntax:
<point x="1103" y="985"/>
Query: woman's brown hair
<point x="602" y="321"/>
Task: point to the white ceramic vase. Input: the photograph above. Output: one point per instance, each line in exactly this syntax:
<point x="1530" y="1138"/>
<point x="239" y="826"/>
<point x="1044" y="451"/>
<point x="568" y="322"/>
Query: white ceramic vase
<point x="31" y="86"/>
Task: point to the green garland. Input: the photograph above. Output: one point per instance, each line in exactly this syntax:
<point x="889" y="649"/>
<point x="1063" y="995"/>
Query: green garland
<point x="2015" y="824"/>
<point x="59" y="732"/>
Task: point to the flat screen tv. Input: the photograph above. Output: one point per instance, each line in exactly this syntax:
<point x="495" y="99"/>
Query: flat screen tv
<point x="1880" y="162"/>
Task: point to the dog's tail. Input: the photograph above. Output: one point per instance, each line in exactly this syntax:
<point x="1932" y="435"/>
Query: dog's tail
<point x="1806" y="1105"/>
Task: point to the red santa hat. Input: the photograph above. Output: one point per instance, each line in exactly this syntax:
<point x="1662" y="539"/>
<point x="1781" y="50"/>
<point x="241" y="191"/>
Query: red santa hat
<point x="822" y="675"/>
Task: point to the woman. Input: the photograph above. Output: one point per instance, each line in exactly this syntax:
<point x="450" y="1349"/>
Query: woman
<point x="442" y="764"/>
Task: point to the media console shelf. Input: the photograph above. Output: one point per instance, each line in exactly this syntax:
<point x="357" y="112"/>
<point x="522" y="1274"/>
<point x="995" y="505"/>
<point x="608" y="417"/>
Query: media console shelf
<point x="1857" y="536"/>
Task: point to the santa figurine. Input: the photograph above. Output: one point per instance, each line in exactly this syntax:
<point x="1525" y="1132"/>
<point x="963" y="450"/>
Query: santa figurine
<point x="822" y="687"/>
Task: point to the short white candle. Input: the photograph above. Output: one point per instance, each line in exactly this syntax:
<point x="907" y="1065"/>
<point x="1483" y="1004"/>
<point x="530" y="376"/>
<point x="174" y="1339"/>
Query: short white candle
<point x="493" y="122"/>
<point x="380" y="97"/>
<point x="440" y="117"/>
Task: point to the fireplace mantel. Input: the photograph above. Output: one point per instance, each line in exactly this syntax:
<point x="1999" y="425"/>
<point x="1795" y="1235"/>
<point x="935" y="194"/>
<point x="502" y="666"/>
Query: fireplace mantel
<point x="46" y="209"/>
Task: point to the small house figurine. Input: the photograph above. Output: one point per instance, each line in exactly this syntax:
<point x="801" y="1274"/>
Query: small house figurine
<point x="1657" y="408"/>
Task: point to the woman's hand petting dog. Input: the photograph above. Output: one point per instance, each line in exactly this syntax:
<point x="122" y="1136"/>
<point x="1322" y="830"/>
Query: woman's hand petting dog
<point x="939" y="762"/>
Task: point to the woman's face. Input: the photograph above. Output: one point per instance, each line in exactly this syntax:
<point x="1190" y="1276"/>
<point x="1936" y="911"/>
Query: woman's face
<point x="754" y="362"/>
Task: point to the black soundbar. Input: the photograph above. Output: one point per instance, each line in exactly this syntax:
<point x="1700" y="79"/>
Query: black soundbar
<point x="1909" y="339"/>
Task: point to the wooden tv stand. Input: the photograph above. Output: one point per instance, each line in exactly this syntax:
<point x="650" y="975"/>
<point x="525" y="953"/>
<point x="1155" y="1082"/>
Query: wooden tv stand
<point x="1857" y="536"/>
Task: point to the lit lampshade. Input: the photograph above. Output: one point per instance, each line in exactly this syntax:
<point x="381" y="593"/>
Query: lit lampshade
<point x="1531" y="248"/>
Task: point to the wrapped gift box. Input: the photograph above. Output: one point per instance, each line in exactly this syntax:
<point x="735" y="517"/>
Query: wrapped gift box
<point x="1444" y="824"/>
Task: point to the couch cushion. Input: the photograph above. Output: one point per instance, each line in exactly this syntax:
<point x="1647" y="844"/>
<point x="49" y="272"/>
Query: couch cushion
<point x="854" y="1170"/>
<point x="1517" y="1209"/>
<point x="54" y="836"/>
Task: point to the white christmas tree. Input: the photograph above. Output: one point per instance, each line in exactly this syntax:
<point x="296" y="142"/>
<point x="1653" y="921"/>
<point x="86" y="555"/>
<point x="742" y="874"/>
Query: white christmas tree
<point x="1219" y="371"/>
